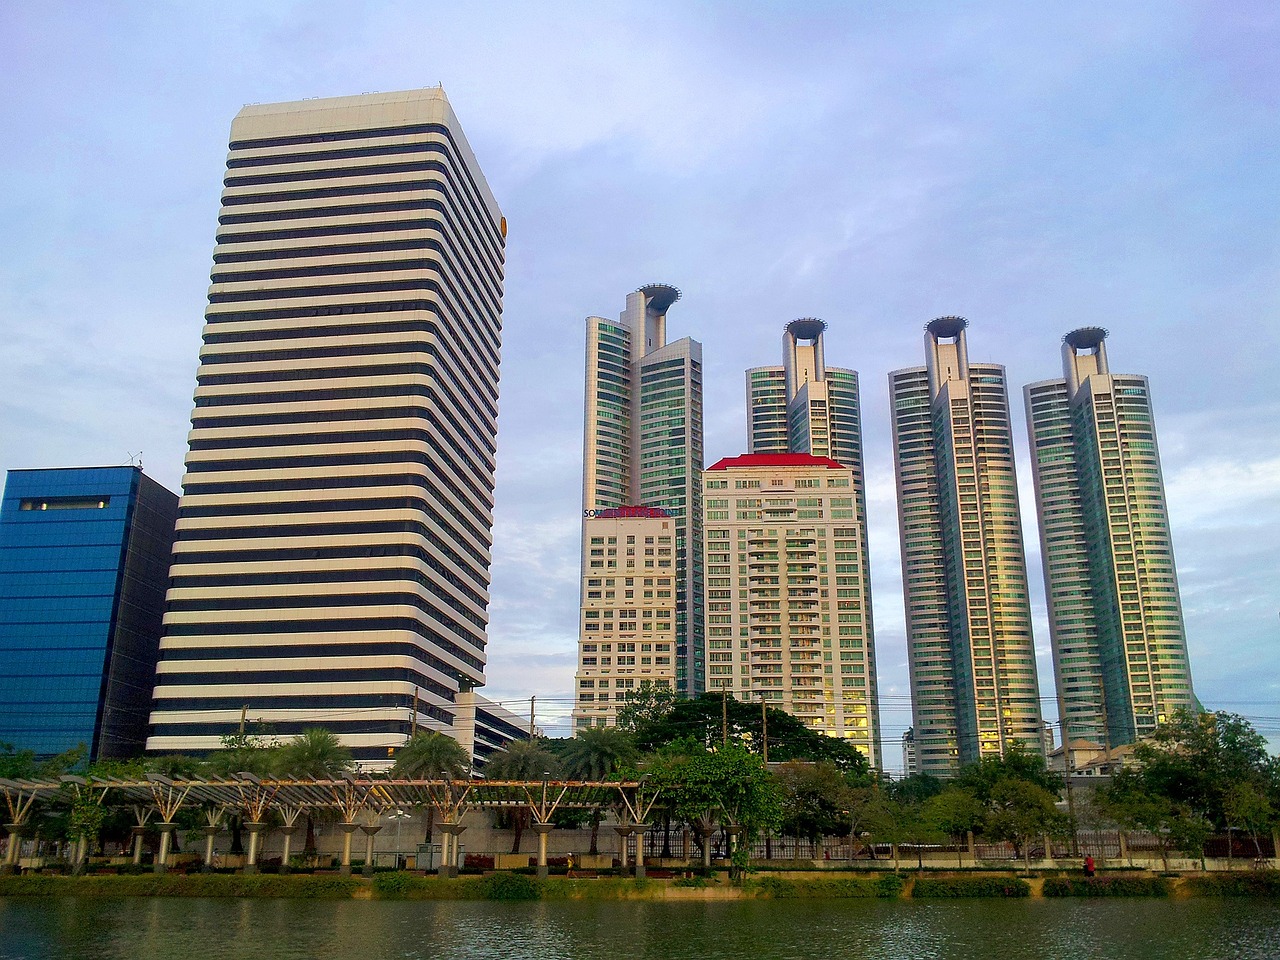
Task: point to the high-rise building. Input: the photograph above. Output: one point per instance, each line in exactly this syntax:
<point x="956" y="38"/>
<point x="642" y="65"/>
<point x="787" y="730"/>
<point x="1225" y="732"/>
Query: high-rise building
<point x="84" y="560"/>
<point x="332" y="558"/>
<point x="628" y="610"/>
<point x="788" y="593"/>
<point x="642" y="446"/>
<point x="969" y="644"/>
<point x="1119" y="644"/>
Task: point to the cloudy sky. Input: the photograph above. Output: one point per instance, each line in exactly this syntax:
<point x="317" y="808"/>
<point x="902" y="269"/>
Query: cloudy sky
<point x="1033" y="167"/>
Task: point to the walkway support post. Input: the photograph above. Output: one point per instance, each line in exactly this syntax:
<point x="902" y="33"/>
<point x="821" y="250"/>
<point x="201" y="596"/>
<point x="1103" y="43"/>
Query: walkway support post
<point x="542" y="830"/>
<point x="623" y="831"/>
<point x="369" y="830"/>
<point x="15" y="845"/>
<point x="347" y="829"/>
<point x="255" y="828"/>
<point x="289" y="829"/>
<point x="640" y="829"/>
<point x="166" y="829"/>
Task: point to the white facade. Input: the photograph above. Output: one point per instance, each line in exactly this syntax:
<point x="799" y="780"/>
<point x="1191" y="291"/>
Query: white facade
<point x="627" y="630"/>
<point x="332" y="559"/>
<point x="788" y="595"/>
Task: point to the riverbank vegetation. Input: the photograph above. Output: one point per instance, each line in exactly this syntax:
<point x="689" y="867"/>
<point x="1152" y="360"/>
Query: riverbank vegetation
<point x="1199" y="777"/>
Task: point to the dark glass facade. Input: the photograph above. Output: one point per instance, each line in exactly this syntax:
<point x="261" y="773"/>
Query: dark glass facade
<point x="84" y="563"/>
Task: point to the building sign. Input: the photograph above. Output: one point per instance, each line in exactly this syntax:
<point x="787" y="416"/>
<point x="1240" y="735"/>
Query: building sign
<point x="627" y="513"/>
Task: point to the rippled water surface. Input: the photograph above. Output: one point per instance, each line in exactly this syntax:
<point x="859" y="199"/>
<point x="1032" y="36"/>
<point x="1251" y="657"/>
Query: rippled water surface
<point x="807" y="930"/>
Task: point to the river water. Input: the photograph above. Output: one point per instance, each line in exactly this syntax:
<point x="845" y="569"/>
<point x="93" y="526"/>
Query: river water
<point x="193" y="929"/>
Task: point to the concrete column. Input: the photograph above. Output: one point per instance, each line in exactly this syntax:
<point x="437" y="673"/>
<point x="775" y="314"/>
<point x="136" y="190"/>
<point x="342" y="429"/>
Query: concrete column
<point x="449" y="848"/>
<point x="623" y="832"/>
<point x="15" y="845"/>
<point x="166" y="838"/>
<point x="542" y="829"/>
<point x="209" y="834"/>
<point x="80" y="853"/>
<point x="347" y="830"/>
<point x="288" y="830"/>
<point x="369" y="831"/>
<point x="138" y="833"/>
<point x="705" y="833"/>
<point x="640" y="830"/>
<point x="255" y="828"/>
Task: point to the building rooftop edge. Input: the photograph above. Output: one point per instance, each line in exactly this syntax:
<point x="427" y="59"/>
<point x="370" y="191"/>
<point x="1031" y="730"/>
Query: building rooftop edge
<point x="776" y="460"/>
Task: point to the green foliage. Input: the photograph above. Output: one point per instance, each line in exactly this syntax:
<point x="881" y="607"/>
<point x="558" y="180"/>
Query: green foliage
<point x="244" y="752"/>
<point x="599" y="753"/>
<point x="917" y="788"/>
<point x="1259" y="883"/>
<point x="731" y="783"/>
<point x="510" y="886"/>
<point x="523" y="760"/>
<point x="889" y="886"/>
<point x="1106" y="887"/>
<point x="980" y="779"/>
<point x="314" y="753"/>
<point x="1021" y="811"/>
<point x="953" y="812"/>
<point x="183" y="885"/>
<point x="430" y="754"/>
<point x="705" y="719"/>
<point x="842" y="888"/>
<point x="393" y="884"/>
<point x="969" y="887"/>
<point x="814" y="800"/>
<point x="1199" y="760"/>
<point x="647" y="704"/>
<point x="1131" y="802"/>
<point x="23" y="765"/>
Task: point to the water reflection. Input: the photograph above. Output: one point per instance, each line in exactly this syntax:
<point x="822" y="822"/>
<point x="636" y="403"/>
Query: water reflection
<point x="182" y="929"/>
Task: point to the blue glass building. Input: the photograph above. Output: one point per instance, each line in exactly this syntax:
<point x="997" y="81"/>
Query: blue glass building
<point x="84" y="564"/>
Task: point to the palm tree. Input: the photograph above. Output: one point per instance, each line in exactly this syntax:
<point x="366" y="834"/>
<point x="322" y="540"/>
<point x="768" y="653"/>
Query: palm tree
<point x="522" y="760"/>
<point x="430" y="755"/>
<point x="598" y="753"/>
<point x="314" y="753"/>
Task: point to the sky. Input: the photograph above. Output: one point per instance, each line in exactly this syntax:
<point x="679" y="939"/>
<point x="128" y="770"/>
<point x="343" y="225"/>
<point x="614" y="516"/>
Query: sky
<point x="1032" y="167"/>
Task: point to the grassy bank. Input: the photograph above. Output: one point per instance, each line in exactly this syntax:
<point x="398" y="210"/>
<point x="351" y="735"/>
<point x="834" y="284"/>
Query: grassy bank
<point x="515" y="886"/>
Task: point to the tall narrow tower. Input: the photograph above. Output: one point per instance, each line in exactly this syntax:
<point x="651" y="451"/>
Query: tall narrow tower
<point x="642" y="446"/>
<point x="332" y="558"/>
<point x="969" y="642"/>
<point x="806" y="407"/>
<point x="1119" y="645"/>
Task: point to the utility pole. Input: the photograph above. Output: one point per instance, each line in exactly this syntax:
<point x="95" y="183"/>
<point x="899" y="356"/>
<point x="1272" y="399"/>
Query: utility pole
<point x="764" y="729"/>
<point x="532" y="701"/>
<point x="244" y="714"/>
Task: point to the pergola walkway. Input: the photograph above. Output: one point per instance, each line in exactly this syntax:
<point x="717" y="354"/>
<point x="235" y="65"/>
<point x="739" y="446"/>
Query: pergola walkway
<point x="359" y="803"/>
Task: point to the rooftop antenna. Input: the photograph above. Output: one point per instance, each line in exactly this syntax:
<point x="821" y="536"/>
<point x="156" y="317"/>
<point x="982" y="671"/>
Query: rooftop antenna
<point x="135" y="459"/>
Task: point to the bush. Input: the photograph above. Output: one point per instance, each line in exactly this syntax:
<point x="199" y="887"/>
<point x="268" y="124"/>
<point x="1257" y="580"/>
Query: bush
<point x="889" y="886"/>
<point x="844" y="888"/>
<point x="477" y="861"/>
<point x="509" y="886"/>
<point x="1106" y="887"/>
<point x="182" y="885"/>
<point x="1264" y="883"/>
<point x="393" y="884"/>
<point x="958" y="887"/>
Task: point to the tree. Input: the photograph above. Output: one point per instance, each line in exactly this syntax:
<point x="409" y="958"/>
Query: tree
<point x="712" y="718"/>
<point x="243" y="753"/>
<point x="1021" y="811"/>
<point x="646" y="704"/>
<point x="522" y="760"/>
<point x="315" y="753"/>
<point x="1247" y="808"/>
<point x="1128" y="801"/>
<point x="813" y="799"/>
<point x="1197" y="759"/>
<point x="982" y="777"/>
<point x="430" y="755"/>
<point x="598" y="753"/>
<point x="955" y="813"/>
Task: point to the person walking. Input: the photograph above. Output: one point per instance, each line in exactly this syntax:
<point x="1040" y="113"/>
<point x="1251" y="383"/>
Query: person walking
<point x="1088" y="866"/>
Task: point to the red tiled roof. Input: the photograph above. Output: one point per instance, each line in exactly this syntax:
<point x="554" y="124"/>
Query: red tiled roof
<point x="775" y="460"/>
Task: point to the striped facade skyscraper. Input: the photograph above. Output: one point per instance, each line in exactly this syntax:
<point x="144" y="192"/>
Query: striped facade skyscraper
<point x="332" y="558"/>
<point x="1119" y="644"/>
<point x="642" y="446"/>
<point x="969" y="643"/>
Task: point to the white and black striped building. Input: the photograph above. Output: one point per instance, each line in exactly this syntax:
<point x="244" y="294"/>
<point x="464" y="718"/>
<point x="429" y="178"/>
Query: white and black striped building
<point x="331" y="566"/>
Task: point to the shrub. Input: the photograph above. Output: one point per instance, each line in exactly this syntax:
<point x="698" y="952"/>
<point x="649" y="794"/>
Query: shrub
<point x="1106" y="887"/>
<point x="477" y="861"/>
<point x="958" y="887"/>
<point x="509" y="886"/>
<point x="1264" y="883"/>
<point x="844" y="888"/>
<point x="393" y="884"/>
<point x="889" y="886"/>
